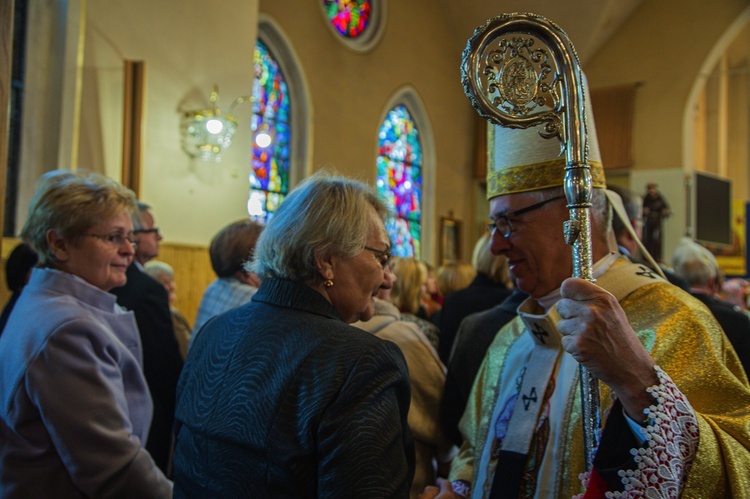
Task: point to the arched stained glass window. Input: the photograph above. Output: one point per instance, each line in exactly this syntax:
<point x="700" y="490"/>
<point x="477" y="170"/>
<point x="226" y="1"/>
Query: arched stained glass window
<point x="349" y="17"/>
<point x="399" y="179"/>
<point x="269" y="178"/>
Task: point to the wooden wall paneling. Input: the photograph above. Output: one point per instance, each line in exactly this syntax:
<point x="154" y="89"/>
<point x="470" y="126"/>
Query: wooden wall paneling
<point x="192" y="273"/>
<point x="614" y="113"/>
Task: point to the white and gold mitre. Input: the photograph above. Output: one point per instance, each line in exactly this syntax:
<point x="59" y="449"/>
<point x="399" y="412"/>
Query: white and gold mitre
<point x="521" y="160"/>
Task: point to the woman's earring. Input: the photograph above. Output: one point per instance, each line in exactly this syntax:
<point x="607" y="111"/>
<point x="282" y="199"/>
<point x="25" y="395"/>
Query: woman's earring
<point x="328" y="283"/>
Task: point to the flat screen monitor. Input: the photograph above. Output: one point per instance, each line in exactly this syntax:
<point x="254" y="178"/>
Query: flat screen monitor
<point x="713" y="209"/>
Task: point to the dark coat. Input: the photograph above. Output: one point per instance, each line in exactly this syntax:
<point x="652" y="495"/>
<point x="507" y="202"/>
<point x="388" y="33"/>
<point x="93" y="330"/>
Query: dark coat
<point x="474" y="337"/>
<point x="483" y="293"/>
<point x="8" y="309"/>
<point x="280" y="398"/>
<point x="736" y="326"/>
<point x="162" y="361"/>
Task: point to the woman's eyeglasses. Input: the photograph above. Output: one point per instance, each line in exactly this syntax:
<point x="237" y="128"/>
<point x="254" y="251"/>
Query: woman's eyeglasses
<point x="384" y="255"/>
<point x="116" y="239"/>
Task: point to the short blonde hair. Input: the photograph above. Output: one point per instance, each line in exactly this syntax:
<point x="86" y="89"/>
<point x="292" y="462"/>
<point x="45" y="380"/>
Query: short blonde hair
<point x="411" y="274"/>
<point x="454" y="276"/>
<point x="70" y="203"/>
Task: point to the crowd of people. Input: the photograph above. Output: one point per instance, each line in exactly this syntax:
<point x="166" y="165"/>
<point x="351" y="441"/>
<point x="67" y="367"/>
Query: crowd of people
<point x="321" y="365"/>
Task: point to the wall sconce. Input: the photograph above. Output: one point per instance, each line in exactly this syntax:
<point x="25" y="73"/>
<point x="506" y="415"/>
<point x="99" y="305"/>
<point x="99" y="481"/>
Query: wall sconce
<point x="206" y="133"/>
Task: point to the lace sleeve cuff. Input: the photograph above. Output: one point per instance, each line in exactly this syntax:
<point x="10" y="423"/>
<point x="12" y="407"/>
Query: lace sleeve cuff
<point x="671" y="441"/>
<point x="462" y="488"/>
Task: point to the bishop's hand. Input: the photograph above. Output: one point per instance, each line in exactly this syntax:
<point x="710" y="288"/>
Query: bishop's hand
<point x="596" y="332"/>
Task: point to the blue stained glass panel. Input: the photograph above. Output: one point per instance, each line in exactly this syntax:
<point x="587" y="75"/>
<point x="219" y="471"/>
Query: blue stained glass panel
<point x="399" y="179"/>
<point x="269" y="175"/>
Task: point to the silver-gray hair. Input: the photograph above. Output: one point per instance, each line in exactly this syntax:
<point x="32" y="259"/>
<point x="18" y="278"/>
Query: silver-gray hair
<point x="325" y="216"/>
<point x="694" y="263"/>
<point x="157" y="268"/>
<point x="136" y="215"/>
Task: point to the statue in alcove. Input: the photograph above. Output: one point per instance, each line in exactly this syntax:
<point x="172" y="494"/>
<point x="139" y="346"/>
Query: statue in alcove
<point x="655" y="210"/>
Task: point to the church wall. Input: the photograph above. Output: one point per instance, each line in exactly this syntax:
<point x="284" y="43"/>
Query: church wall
<point x="186" y="52"/>
<point x="351" y="90"/>
<point x="663" y="46"/>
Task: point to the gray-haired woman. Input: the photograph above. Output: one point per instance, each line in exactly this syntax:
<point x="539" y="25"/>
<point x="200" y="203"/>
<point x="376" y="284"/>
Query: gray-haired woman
<point x="281" y="397"/>
<point x="75" y="409"/>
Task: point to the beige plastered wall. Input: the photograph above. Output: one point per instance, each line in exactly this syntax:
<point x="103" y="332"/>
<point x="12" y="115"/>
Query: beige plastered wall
<point x="188" y="50"/>
<point x="350" y="93"/>
<point x="664" y="46"/>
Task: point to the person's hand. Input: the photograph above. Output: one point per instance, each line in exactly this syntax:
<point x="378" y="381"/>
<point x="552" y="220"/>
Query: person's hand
<point x="596" y="332"/>
<point x="443" y="490"/>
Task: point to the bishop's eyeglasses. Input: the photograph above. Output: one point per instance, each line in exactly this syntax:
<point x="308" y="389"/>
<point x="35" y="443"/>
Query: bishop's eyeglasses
<point x="502" y="222"/>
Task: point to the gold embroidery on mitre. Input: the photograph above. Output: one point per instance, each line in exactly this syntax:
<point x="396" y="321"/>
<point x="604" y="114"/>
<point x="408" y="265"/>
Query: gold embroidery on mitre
<point x="536" y="177"/>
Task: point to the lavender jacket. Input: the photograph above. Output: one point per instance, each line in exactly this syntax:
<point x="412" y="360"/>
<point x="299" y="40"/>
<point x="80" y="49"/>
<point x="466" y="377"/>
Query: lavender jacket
<point x="74" y="406"/>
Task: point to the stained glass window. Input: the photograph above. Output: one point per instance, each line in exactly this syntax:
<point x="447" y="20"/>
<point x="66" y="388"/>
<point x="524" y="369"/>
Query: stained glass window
<point x="269" y="178"/>
<point x="399" y="180"/>
<point x="349" y="17"/>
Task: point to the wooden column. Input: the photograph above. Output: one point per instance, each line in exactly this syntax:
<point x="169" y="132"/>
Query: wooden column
<point x="6" y="59"/>
<point x="132" y="139"/>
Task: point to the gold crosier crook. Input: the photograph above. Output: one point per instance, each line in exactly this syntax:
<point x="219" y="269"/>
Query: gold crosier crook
<point x="521" y="70"/>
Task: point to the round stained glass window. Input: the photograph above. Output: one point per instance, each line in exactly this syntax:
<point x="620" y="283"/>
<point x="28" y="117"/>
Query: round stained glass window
<point x="349" y="17"/>
<point x="356" y="23"/>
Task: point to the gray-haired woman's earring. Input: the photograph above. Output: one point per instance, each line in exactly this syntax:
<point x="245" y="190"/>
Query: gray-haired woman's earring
<point x="328" y="283"/>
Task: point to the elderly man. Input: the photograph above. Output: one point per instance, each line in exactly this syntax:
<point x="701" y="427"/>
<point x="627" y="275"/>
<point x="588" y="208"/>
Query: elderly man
<point x="672" y="388"/>
<point x="699" y="268"/>
<point x="162" y="361"/>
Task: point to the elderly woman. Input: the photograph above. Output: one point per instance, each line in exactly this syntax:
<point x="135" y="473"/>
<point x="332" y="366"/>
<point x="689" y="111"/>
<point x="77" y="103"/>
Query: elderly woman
<point x="75" y="406"/>
<point x="163" y="273"/>
<point x="281" y="397"/>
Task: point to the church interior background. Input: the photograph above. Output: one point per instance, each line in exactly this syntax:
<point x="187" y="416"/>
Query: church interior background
<point x="373" y="92"/>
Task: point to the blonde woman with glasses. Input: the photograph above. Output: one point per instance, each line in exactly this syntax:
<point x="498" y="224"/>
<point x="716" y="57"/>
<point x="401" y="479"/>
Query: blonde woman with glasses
<point x="75" y="406"/>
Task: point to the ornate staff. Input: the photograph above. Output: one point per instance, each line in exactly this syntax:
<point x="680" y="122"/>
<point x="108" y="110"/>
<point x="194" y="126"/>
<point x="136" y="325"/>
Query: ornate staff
<point x="512" y="83"/>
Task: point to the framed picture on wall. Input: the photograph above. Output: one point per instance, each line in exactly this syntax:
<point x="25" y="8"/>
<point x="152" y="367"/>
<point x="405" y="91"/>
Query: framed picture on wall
<point x="450" y="240"/>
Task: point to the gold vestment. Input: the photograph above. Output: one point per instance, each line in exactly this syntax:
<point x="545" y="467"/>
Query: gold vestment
<point x="688" y="344"/>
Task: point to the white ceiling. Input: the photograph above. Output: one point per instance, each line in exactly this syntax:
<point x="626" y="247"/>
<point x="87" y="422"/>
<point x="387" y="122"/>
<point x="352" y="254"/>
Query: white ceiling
<point x="588" y="23"/>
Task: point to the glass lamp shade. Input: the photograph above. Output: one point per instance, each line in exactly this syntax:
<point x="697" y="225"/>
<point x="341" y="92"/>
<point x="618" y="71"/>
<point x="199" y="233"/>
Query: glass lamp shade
<point x="207" y="133"/>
